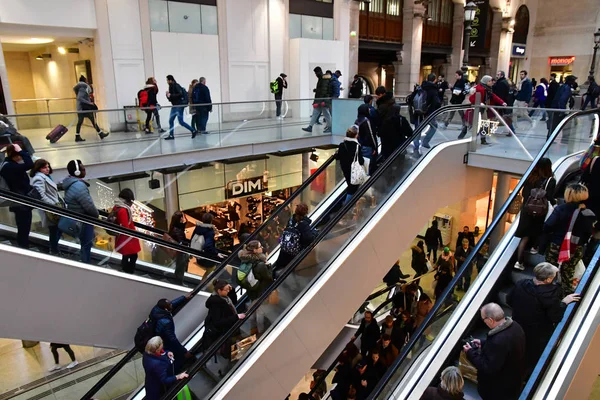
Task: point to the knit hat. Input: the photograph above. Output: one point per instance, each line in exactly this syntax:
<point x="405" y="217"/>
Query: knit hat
<point x="485" y="79"/>
<point x="446" y="249"/>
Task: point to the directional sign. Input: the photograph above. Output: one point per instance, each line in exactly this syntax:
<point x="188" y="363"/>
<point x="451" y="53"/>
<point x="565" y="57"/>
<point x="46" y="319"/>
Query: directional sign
<point x="479" y="24"/>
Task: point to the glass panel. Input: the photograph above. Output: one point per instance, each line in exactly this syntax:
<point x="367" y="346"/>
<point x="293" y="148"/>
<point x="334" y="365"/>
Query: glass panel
<point x="295" y="26"/>
<point x="209" y="20"/>
<point x="184" y="17"/>
<point x="328" y="29"/>
<point x="312" y="27"/>
<point x="159" y="16"/>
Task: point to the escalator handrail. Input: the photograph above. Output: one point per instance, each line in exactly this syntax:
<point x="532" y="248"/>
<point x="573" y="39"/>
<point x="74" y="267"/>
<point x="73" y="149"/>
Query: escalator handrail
<point x="64" y="212"/>
<point x="204" y="282"/>
<point x="471" y="258"/>
<point x="560" y="330"/>
<point x="349" y="205"/>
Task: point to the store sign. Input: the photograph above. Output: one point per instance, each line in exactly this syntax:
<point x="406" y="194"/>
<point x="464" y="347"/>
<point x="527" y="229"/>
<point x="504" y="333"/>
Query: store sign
<point x="246" y="187"/>
<point x="518" y="50"/>
<point x="561" y="61"/>
<point x="479" y="24"/>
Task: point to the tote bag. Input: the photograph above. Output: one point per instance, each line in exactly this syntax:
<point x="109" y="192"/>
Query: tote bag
<point x="358" y="175"/>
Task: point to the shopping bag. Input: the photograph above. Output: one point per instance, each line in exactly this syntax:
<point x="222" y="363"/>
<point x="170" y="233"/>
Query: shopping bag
<point x="240" y="348"/>
<point x="185" y="394"/>
<point x="70" y="227"/>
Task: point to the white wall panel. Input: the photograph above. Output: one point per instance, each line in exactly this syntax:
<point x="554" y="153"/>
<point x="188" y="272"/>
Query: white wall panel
<point x="125" y="29"/>
<point x="129" y="75"/>
<point x="249" y="81"/>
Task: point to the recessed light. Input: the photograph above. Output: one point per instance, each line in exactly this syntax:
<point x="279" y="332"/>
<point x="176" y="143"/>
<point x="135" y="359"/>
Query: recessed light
<point x="62" y="50"/>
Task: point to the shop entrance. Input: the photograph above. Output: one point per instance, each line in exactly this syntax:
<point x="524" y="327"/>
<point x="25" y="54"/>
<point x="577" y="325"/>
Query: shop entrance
<point x="561" y="66"/>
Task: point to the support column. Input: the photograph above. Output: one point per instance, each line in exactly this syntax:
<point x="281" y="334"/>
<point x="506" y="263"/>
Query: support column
<point x="409" y="59"/>
<point x="353" y="52"/>
<point x="502" y="192"/>
<point x="458" y="34"/>
<point x="495" y="49"/>
<point x="505" y="45"/>
<point x="171" y="195"/>
<point x="342" y="20"/>
<point x="10" y="109"/>
<point x="305" y="166"/>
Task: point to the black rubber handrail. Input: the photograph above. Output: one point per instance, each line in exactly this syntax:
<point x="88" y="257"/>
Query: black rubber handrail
<point x="348" y="206"/>
<point x="462" y="270"/>
<point x="113" y="371"/>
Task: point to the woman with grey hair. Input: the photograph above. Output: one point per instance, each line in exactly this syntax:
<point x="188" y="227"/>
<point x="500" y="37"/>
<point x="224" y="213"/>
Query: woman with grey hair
<point x="158" y="365"/>
<point x="450" y="388"/>
<point x="538" y="306"/>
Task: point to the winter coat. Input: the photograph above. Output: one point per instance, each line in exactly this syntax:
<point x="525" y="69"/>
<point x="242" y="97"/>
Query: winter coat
<point x="262" y="272"/>
<point x="165" y="327"/>
<point x="591" y="179"/>
<point x="442" y="87"/>
<point x="208" y="231"/>
<point x="487" y="97"/>
<point x="124" y="244"/>
<point x="152" y="90"/>
<point x="160" y="374"/>
<point x="500" y="362"/>
<point x="281" y="84"/>
<point x="443" y="278"/>
<point x="323" y="90"/>
<point x="419" y="261"/>
<point x="433" y="99"/>
<point x="366" y="129"/>
<point x="393" y="128"/>
<point x="335" y="86"/>
<point x="221" y="317"/>
<point x="461" y="236"/>
<point x="78" y="198"/>
<point x="433" y="237"/>
<point x="387" y="355"/>
<point x="48" y="190"/>
<point x="556" y="226"/>
<point x="461" y="85"/>
<point x="201" y="95"/>
<point x="563" y="95"/>
<point x="15" y="174"/>
<point x="424" y="305"/>
<point x="396" y="333"/>
<point x="540" y="94"/>
<point x="437" y="393"/>
<point x="502" y="89"/>
<point x="347" y="150"/>
<point x="537" y="308"/>
<point x="553" y="87"/>
<point x="175" y="93"/>
<point x="369" y="334"/>
<point x="525" y="91"/>
<point x="307" y="233"/>
<point x="191" y="110"/>
<point x="461" y="255"/>
<point x="82" y="91"/>
<point x="356" y="89"/>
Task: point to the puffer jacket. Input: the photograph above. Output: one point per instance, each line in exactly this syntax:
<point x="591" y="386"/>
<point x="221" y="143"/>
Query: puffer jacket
<point x="335" y="86"/>
<point x="393" y="128"/>
<point x="208" y="231"/>
<point x="160" y="374"/>
<point x="165" y="327"/>
<point x="78" y="198"/>
<point x="556" y="226"/>
<point x="433" y="100"/>
<point x="262" y="271"/>
<point x="323" y="90"/>
<point x="82" y="91"/>
<point x="48" y="190"/>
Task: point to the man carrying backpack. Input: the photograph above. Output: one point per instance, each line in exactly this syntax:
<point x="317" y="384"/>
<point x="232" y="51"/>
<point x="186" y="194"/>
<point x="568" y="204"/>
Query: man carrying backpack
<point x="201" y="95"/>
<point x="425" y="101"/>
<point x="161" y="317"/>
<point x="178" y="98"/>
<point x="277" y="87"/>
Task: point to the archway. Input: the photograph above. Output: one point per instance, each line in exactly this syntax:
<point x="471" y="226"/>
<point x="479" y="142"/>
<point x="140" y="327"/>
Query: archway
<point x="521" y="25"/>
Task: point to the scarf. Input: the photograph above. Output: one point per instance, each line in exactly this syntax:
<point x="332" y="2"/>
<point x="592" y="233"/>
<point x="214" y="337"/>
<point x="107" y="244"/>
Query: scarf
<point x="119" y="202"/>
<point x="228" y="301"/>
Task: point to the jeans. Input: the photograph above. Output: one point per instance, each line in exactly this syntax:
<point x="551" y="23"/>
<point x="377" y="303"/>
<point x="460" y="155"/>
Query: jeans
<point x="589" y="99"/>
<point x="177" y="112"/>
<point x="23" y="220"/>
<point x="278" y="102"/>
<point x="90" y="116"/>
<point x="55" y="235"/>
<point x="201" y="117"/>
<point x="194" y="122"/>
<point x="465" y="280"/>
<point x="367" y="152"/>
<point x="182" y="261"/>
<point x="128" y="263"/>
<point x="451" y="116"/>
<point x="432" y="249"/>
<point x="432" y="130"/>
<point x="86" y="238"/>
<point x="520" y="113"/>
<point x="149" y="114"/>
<point x="315" y="115"/>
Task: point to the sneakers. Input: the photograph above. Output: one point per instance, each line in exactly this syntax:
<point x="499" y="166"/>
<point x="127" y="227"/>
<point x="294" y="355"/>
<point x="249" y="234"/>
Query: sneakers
<point x="56" y="367"/>
<point x="103" y="134"/>
<point x="533" y="250"/>
<point x="161" y="130"/>
<point x="147" y="131"/>
<point x="426" y="145"/>
<point x="72" y="364"/>
<point x="170" y="138"/>
<point x="519" y="266"/>
<point x="327" y="130"/>
<point x="194" y="134"/>
<point x="78" y="138"/>
<point x="308" y="129"/>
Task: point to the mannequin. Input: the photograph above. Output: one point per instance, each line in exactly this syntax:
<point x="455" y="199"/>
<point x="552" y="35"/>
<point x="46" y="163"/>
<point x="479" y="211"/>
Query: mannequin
<point x="233" y="207"/>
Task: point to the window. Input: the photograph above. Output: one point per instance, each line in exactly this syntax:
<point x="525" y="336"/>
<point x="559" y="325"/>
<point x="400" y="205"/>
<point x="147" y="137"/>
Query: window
<point x="174" y="16"/>
<point x="394" y="8"/>
<point x="310" y="27"/>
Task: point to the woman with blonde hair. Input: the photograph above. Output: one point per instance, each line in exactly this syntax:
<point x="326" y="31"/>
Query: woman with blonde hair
<point x="450" y="388"/>
<point x="158" y="366"/>
<point x="567" y="230"/>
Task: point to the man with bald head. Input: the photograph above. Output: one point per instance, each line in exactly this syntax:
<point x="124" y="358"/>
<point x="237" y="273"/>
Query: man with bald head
<point x="499" y="358"/>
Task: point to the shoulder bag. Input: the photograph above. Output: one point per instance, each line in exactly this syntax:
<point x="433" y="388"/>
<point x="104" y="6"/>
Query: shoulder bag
<point x="358" y="175"/>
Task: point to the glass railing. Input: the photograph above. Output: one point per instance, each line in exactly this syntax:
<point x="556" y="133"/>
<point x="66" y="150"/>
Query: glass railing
<point x="225" y="125"/>
<point x="319" y="202"/>
<point x="446" y="303"/>
<point x="308" y="265"/>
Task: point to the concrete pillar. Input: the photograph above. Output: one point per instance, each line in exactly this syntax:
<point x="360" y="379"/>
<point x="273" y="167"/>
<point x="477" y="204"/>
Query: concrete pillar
<point x="342" y="17"/>
<point x="353" y="51"/>
<point x="505" y="45"/>
<point x="409" y="59"/>
<point x="10" y="109"/>
<point x="171" y="195"/>
<point x="495" y="42"/>
<point x="305" y="166"/>
<point x="502" y="192"/>
<point x="458" y="35"/>
<point x="146" y="37"/>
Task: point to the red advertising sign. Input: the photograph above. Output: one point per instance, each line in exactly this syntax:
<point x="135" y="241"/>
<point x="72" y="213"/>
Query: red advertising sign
<point x="561" y="61"/>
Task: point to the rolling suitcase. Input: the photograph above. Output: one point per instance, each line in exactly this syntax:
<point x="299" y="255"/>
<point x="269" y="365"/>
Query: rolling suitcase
<point x="56" y="133"/>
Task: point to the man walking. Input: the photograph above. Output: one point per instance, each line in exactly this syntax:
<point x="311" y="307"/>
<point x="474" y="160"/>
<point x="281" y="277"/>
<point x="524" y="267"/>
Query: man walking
<point x="458" y="96"/>
<point x="322" y="100"/>
<point x="561" y="101"/>
<point x="201" y="95"/>
<point x="178" y="98"/>
<point x="278" y="92"/>
<point x="502" y="89"/>
<point x="523" y="97"/>
<point x="433" y="103"/>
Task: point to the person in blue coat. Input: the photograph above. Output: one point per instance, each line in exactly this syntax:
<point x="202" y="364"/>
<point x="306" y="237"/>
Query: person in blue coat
<point x="201" y="95"/>
<point x="208" y="231"/>
<point x="162" y="316"/>
<point x="159" y="368"/>
<point x="561" y="101"/>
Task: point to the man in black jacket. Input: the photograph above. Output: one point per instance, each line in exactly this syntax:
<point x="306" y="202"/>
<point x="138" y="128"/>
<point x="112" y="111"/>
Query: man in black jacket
<point x="458" y="96"/>
<point x="370" y="333"/>
<point x="502" y="89"/>
<point x="433" y="238"/>
<point x="393" y="129"/>
<point x="175" y="94"/>
<point x="356" y="88"/>
<point x="281" y="84"/>
<point x="201" y="95"/>
<point x="500" y="358"/>
<point x="322" y="102"/>
<point x="433" y="103"/>
<point x="537" y="307"/>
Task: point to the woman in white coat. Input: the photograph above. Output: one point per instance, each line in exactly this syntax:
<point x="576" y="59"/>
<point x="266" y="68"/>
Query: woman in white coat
<point x="42" y="181"/>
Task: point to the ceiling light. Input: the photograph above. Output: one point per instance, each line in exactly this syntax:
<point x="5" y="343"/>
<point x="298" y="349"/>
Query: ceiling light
<point x="43" y="56"/>
<point x="62" y="50"/>
<point x="24" y="40"/>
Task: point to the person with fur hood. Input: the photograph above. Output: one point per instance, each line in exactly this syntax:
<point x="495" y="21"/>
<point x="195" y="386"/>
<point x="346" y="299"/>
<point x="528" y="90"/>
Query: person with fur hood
<point x="8" y="131"/>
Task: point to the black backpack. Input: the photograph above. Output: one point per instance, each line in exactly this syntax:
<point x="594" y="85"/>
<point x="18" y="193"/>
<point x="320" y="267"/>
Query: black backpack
<point x="184" y="95"/>
<point x="537" y="203"/>
<point x="145" y="332"/>
<point x="419" y="101"/>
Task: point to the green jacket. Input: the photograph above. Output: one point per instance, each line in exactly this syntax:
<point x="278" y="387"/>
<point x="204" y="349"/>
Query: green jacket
<point x="263" y="272"/>
<point x="323" y="90"/>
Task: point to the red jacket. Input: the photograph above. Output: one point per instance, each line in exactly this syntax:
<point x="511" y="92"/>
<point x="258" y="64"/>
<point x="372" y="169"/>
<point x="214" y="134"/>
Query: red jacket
<point x="487" y="97"/>
<point x="126" y="245"/>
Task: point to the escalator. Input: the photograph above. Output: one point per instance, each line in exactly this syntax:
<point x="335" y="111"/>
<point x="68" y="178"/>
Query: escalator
<point x="436" y="343"/>
<point x="306" y="286"/>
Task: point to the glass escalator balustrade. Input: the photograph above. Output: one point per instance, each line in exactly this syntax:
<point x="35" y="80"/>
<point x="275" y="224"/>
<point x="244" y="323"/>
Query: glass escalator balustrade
<point x="571" y="136"/>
